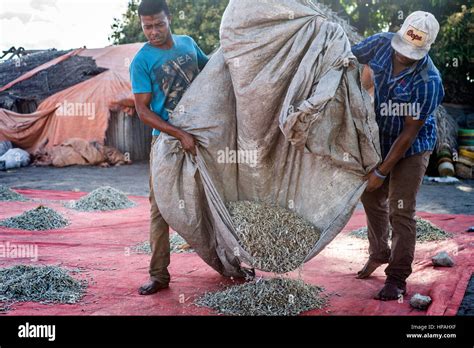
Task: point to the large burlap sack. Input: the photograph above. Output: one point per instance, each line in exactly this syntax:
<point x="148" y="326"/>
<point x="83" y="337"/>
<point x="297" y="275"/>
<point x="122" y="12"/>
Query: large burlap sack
<point x="80" y="152"/>
<point x="284" y="92"/>
<point x="76" y="151"/>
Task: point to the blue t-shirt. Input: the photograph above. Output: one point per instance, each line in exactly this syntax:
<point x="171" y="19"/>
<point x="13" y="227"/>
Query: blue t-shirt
<point x="166" y="74"/>
<point x="420" y="85"/>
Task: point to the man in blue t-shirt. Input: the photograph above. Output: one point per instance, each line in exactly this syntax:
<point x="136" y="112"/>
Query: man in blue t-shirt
<point x="160" y="73"/>
<point x="408" y="89"/>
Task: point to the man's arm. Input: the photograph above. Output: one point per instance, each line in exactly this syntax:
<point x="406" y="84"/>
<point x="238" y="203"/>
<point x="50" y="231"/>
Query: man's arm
<point x="399" y="148"/>
<point x="429" y="96"/>
<point x="142" y="104"/>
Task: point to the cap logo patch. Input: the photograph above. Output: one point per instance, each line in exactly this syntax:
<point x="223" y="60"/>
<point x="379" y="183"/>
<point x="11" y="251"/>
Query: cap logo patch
<point x="415" y="36"/>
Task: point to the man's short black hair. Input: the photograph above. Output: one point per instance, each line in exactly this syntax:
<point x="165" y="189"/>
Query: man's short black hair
<point x="153" y="7"/>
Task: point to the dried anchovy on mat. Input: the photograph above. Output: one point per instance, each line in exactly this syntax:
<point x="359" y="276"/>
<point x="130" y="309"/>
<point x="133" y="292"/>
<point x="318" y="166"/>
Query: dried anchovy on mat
<point x="39" y="219"/>
<point x="8" y="195"/>
<point x="44" y="284"/>
<point x="265" y="297"/>
<point x="277" y="239"/>
<point x="142" y="248"/>
<point x="103" y="199"/>
<point x="361" y="233"/>
<point x="177" y="246"/>
<point x="425" y="232"/>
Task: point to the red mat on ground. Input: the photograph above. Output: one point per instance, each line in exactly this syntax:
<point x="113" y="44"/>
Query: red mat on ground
<point x="100" y="244"/>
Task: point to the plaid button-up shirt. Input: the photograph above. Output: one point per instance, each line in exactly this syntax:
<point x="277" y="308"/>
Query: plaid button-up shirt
<point x="416" y="91"/>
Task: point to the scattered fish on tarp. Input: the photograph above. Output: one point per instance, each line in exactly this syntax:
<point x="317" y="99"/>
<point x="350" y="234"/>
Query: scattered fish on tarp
<point x="43" y="284"/>
<point x="265" y="297"/>
<point x="38" y="219"/>
<point x="8" y="195"/>
<point x="277" y="239"/>
<point x="102" y="199"/>
<point x="425" y="232"/>
<point x="177" y="246"/>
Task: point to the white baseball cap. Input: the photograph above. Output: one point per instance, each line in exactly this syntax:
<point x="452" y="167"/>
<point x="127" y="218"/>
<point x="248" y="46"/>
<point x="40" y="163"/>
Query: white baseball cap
<point x="418" y="33"/>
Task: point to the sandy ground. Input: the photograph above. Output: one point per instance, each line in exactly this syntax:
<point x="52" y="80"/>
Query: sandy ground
<point x="133" y="180"/>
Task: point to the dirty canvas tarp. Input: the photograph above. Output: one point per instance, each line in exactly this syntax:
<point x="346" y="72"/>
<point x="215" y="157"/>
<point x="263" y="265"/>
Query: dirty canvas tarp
<point x="280" y="81"/>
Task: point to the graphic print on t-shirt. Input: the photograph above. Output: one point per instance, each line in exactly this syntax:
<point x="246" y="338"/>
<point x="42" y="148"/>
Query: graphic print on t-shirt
<point x="174" y="78"/>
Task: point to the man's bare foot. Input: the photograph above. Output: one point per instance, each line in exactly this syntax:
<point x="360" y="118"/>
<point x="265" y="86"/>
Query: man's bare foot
<point x="369" y="268"/>
<point x="390" y="292"/>
<point x="152" y="287"/>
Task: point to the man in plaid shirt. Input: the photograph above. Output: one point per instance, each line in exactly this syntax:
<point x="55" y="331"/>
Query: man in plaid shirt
<point x="408" y="89"/>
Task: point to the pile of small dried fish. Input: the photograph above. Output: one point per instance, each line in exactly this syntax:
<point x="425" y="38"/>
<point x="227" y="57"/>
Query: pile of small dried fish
<point x="361" y="233"/>
<point x="7" y="195"/>
<point x="39" y="219"/>
<point x="103" y="199"/>
<point x="277" y="239"/>
<point x="142" y="248"/>
<point x="44" y="284"/>
<point x="177" y="246"/>
<point x="425" y="232"/>
<point x="265" y="297"/>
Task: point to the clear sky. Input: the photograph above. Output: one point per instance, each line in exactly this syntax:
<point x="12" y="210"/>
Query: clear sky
<point x="61" y="24"/>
